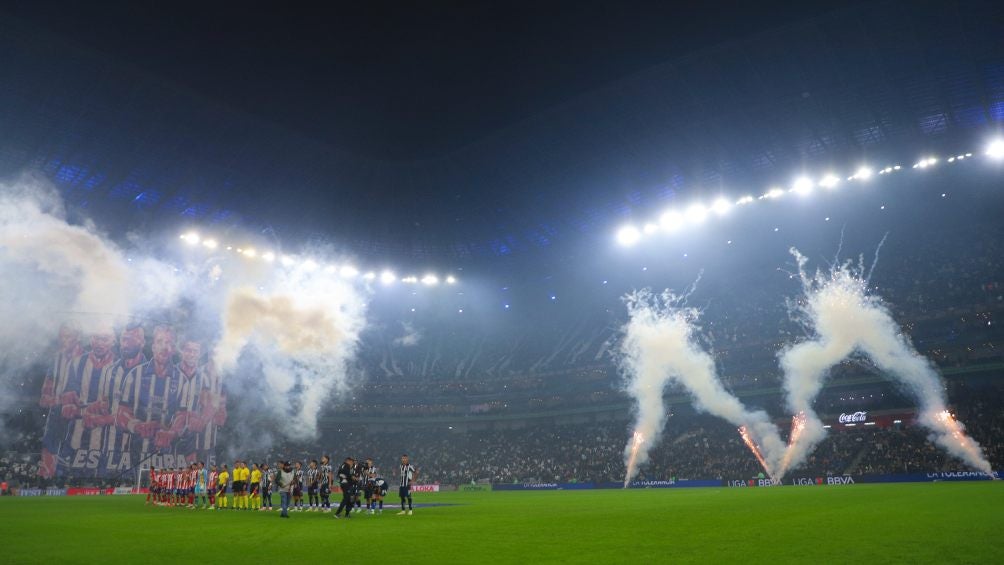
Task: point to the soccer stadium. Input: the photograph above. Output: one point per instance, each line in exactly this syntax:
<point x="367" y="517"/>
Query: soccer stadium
<point x="499" y="283"/>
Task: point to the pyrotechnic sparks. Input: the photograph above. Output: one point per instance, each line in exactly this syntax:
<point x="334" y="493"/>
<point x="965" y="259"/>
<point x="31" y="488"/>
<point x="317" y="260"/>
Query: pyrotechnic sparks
<point x="633" y="457"/>
<point x="754" y="448"/>
<point x="797" y="427"/>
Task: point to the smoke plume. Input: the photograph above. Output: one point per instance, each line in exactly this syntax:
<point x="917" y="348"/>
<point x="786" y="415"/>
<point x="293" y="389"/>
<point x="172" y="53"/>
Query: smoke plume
<point x="846" y="320"/>
<point x="660" y="347"/>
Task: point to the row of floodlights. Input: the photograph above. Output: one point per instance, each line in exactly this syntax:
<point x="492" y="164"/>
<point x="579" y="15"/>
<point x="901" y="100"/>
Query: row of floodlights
<point x="675" y="220"/>
<point x="386" y="277"/>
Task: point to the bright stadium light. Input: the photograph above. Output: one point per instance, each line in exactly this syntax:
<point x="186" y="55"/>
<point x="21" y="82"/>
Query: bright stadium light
<point x="250" y="253"/>
<point x="650" y="228"/>
<point x="410" y="279"/>
<point x="191" y="238"/>
<point x="210" y="244"/>
<point x="863" y="173"/>
<point x="430" y="280"/>
<point x="671" y="221"/>
<point x="774" y="193"/>
<point x="802" y="186"/>
<point x="696" y="213"/>
<point x="348" y="271"/>
<point x="369" y="276"/>
<point x="829" y="181"/>
<point x="451" y="280"/>
<point x="268" y="256"/>
<point x="721" y="206"/>
<point x="288" y="261"/>
<point x="995" y="150"/>
<point x="744" y="200"/>
<point x="387" y="277"/>
<point x="628" y="236"/>
<point x="310" y="265"/>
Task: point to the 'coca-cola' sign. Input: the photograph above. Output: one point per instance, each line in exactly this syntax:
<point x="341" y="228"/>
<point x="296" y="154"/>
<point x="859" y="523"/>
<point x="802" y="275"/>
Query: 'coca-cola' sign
<point x="853" y="418"/>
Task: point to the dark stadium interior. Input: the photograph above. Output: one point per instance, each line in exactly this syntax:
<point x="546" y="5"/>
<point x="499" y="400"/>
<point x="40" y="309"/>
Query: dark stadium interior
<point x="515" y="180"/>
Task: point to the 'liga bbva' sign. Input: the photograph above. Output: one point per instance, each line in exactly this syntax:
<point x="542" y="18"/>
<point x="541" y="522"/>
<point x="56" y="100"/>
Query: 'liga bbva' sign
<point x="853" y="418"/>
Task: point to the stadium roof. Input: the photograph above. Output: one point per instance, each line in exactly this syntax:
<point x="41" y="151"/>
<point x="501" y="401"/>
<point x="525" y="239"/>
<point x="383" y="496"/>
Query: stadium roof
<point x="888" y="80"/>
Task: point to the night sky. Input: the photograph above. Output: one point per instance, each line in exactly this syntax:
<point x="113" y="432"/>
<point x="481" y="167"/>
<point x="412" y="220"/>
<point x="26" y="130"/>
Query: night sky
<point x="401" y="81"/>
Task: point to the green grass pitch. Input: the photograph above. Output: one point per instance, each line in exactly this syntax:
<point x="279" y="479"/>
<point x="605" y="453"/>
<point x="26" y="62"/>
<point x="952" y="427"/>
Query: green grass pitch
<point x="855" y="524"/>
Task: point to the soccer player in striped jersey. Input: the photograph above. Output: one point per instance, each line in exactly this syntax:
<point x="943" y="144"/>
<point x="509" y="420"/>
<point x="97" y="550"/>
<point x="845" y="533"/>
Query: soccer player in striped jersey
<point x="211" y="486"/>
<point x="327" y="477"/>
<point x="312" y="484"/>
<point x="255" y="487"/>
<point x="267" y="483"/>
<point x="298" y="486"/>
<point x="221" y="487"/>
<point x="369" y="476"/>
<point x="407" y="473"/>
<point x="193" y="479"/>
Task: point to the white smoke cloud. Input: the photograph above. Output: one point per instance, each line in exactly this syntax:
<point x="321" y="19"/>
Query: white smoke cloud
<point x="660" y="347"/>
<point x="303" y="333"/>
<point x="410" y="338"/>
<point x="846" y="320"/>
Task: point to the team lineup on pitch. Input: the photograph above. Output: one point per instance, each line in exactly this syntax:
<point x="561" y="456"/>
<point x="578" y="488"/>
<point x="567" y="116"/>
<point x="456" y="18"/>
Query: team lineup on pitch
<point x="255" y="488"/>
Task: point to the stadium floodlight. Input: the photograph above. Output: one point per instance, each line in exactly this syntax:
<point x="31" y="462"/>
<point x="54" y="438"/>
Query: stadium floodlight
<point x="696" y="213"/>
<point x="387" y="277"/>
<point x="748" y="199"/>
<point x="802" y="186"/>
<point x="288" y="261"/>
<point x="191" y="238"/>
<point x="774" y="192"/>
<point x="210" y="244"/>
<point x="430" y="280"/>
<point x="863" y="173"/>
<point x="268" y="256"/>
<point x="671" y="220"/>
<point x="451" y="280"/>
<point x="250" y="253"/>
<point x="348" y="272"/>
<point x="310" y="265"/>
<point x="995" y="150"/>
<point x="721" y="206"/>
<point x="650" y="228"/>
<point x="369" y="276"/>
<point x="628" y="236"/>
<point x="412" y="279"/>
<point x="829" y="181"/>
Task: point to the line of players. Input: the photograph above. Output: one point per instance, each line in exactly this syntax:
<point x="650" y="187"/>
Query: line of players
<point x="198" y="487"/>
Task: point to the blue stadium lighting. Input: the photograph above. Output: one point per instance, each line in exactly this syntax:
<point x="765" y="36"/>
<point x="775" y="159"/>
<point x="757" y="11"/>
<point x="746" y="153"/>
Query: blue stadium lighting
<point x="430" y="280"/>
<point x="451" y="280"/>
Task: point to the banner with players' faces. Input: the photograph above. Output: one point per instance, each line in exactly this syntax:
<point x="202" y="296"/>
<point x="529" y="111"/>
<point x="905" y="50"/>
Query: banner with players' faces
<point x="127" y="398"/>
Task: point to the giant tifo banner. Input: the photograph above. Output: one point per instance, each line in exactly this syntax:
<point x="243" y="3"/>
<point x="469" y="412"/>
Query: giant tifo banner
<point x="135" y="396"/>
